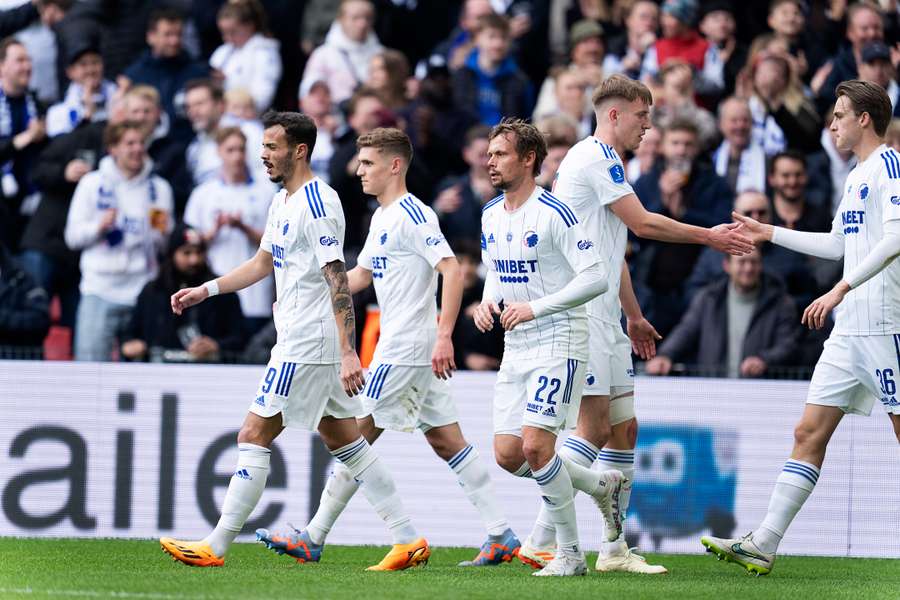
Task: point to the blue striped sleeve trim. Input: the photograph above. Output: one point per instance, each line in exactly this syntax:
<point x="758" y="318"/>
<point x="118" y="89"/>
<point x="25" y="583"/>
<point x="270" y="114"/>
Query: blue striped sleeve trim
<point x="805" y="468"/>
<point x="581" y="449"/>
<point x="564" y="211"/>
<point x="344" y="455"/>
<point x="415" y="213"/>
<point x="892" y="163"/>
<point x="459" y="457"/>
<point x="314" y="200"/>
<point x="492" y="202"/>
<point x="548" y="476"/>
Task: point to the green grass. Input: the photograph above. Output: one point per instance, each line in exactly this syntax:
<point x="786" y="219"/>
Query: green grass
<point x="42" y="568"/>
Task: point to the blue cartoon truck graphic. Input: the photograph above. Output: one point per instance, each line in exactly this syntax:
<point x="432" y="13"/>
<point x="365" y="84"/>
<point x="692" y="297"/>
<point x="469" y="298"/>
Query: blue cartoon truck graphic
<point x="685" y="482"/>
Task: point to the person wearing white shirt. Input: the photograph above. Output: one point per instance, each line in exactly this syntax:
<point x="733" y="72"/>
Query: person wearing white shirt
<point x="87" y="98"/>
<point x="860" y="363"/>
<point x="739" y="158"/>
<point x="119" y="218"/>
<point x="249" y="58"/>
<point x="231" y="211"/>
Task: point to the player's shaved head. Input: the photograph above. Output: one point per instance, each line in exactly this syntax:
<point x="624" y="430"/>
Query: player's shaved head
<point x="389" y="141"/>
<point x="619" y="87"/>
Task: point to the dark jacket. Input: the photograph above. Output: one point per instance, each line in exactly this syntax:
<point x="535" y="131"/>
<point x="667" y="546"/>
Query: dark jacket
<point x="23" y="162"/>
<point x="16" y="19"/>
<point x="473" y="91"/>
<point x="169" y="76"/>
<point x="24" y="307"/>
<point x="45" y="229"/>
<point x="154" y="322"/>
<point x="843" y="68"/>
<point x="702" y="335"/>
<point x="465" y="222"/>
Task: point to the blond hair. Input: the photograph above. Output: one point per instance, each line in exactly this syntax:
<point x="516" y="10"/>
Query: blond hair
<point x="619" y="86"/>
<point x="387" y="140"/>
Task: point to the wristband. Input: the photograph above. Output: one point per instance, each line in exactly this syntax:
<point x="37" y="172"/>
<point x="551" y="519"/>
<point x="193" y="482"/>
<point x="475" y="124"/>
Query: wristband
<point x="212" y="287"/>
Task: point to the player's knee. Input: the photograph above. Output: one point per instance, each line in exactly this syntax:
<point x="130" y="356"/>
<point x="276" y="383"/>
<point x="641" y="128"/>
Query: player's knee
<point x="249" y="434"/>
<point x="806" y="435"/>
<point x="536" y="453"/>
<point x="632" y="433"/>
<point x="508" y="461"/>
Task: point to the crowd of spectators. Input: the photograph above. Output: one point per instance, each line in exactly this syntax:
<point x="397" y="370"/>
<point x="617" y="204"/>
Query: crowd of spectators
<point x="130" y="138"/>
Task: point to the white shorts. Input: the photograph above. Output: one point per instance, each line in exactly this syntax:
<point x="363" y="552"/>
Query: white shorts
<point x="303" y="394"/>
<point x="401" y="398"/>
<point x="609" y="365"/>
<point x="544" y="393"/>
<point x="855" y="371"/>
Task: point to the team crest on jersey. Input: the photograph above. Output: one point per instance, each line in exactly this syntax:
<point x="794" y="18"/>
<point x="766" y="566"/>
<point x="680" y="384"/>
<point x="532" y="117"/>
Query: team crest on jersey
<point x="483" y="242"/>
<point x="617" y="173"/>
<point x="382" y="237"/>
<point x="509" y="236"/>
<point x="863" y="192"/>
<point x="285" y="228"/>
<point x="530" y="239"/>
<point x="590" y="379"/>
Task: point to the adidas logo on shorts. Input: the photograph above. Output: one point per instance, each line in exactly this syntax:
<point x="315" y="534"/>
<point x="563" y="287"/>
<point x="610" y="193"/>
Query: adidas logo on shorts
<point x="549" y="412"/>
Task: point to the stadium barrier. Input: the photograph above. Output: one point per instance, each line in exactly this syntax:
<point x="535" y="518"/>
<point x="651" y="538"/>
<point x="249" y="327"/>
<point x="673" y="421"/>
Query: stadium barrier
<point x="126" y="450"/>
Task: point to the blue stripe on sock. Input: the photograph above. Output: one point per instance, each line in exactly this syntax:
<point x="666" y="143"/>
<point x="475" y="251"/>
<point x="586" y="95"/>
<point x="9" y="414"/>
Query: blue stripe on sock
<point x="813" y="472"/>
<point x="576" y="444"/>
<point x="459" y="457"/>
<point x="549" y="475"/>
<point x="788" y="469"/>
<point x="587" y="455"/>
<point x="615" y="459"/>
<point x="620" y="455"/>
<point x="346" y="453"/>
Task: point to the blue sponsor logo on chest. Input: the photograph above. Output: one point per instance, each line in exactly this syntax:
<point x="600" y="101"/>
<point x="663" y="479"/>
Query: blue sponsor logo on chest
<point x="852" y="219"/>
<point x="278" y="255"/>
<point x="515" y="266"/>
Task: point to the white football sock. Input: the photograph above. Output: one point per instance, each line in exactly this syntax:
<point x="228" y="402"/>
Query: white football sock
<point x="623" y="460"/>
<point x="581" y="452"/>
<point x="243" y="494"/>
<point x="794" y="485"/>
<point x="523" y="471"/>
<point x="365" y="466"/>
<point x="557" y="493"/>
<point x="339" y="488"/>
<point x="475" y="481"/>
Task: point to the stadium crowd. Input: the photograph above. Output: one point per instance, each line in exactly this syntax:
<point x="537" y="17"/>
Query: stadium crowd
<point x="130" y="137"/>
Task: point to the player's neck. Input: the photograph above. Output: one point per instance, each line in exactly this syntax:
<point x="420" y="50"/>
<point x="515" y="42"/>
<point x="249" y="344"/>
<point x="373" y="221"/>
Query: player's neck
<point x="302" y="175"/>
<point x="515" y="197"/>
<point x="609" y="138"/>
<point x="866" y="146"/>
<point x="392" y="193"/>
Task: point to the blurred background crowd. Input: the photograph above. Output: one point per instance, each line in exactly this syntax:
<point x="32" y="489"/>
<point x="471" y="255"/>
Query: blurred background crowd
<point x="130" y="141"/>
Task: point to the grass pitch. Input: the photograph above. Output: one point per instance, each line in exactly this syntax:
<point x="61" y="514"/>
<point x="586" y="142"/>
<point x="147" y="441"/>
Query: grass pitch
<point x="79" y="568"/>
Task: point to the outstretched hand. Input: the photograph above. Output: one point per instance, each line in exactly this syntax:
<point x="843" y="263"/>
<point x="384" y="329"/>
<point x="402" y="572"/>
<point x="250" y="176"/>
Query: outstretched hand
<point x="751" y="228"/>
<point x="728" y="238"/>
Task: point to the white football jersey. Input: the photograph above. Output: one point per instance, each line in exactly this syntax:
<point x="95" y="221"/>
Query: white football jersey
<point x="535" y="251"/>
<point x="590" y="178"/>
<point x="403" y="247"/>
<point x="231" y="246"/>
<point x="304" y="232"/>
<point x="871" y="198"/>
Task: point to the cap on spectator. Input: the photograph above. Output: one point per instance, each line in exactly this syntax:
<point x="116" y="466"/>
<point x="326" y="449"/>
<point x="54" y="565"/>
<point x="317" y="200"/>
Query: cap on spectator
<point x="184" y="235"/>
<point x="683" y="10"/>
<point x="875" y="51"/>
<point x="80" y="48"/>
<point x="583" y="30"/>
<point x="716" y="6"/>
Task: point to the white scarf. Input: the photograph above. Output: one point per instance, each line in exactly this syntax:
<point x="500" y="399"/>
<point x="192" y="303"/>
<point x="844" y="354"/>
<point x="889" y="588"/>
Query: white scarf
<point x="751" y="168"/>
<point x="766" y="132"/>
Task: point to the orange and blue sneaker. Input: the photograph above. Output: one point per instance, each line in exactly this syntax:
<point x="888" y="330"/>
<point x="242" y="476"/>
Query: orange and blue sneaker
<point x="195" y="554"/>
<point x="404" y="556"/>
<point x="496" y="550"/>
<point x="297" y="545"/>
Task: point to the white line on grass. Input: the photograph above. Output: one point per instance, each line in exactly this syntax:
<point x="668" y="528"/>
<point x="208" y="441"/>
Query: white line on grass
<point x="95" y="594"/>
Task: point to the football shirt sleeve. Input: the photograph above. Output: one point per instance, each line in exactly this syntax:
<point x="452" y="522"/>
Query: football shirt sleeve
<point x="326" y="239"/>
<point x="428" y="242"/>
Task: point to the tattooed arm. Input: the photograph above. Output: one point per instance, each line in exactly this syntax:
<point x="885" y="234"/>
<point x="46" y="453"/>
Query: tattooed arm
<point x="342" y="303"/>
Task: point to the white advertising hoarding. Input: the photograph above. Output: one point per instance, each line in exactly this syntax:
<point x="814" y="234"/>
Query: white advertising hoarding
<point x="119" y="450"/>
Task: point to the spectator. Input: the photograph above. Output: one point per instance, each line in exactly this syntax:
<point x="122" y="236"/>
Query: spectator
<point x="490" y="85"/>
<point x="865" y="24"/>
<point x="792" y="268"/>
<point x="687" y="191"/>
<point x="88" y="96"/>
<point x="739" y="159"/>
<point x="726" y="56"/>
<point x="119" y="217"/>
<point x="741" y="326"/>
<point x="239" y="107"/>
<point x="13" y="20"/>
<point x="457" y="47"/>
<point x="22" y="136"/>
<point x="317" y="106"/>
<point x="460" y="199"/>
<point x="205" y="104"/>
<point x="154" y="332"/>
<point x="679" y="40"/>
<point x="790" y="207"/>
<point x="559" y="140"/>
<point x="40" y="39"/>
<point x="892" y="136"/>
<point x="230" y="210"/>
<point x="388" y="74"/>
<point x="645" y="156"/>
<point x="875" y="65"/>
<point x="782" y="117"/>
<point x="249" y="58"/>
<point x="569" y="101"/>
<point x="586" y="39"/>
<point x="166" y="66"/>
<point x="625" y="53"/>
<point x="787" y="19"/>
<point x="59" y="168"/>
<point x="24" y="310"/>
<point x="677" y="101"/>
<point x="343" y="60"/>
